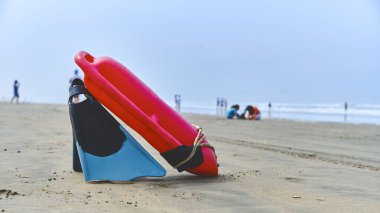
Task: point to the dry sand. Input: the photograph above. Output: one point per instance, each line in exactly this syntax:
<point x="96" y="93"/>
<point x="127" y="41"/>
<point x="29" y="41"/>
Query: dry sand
<point x="266" y="166"/>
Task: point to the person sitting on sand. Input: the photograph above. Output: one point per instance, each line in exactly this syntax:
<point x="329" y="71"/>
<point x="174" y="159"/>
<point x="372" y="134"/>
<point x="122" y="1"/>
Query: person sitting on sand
<point x="232" y="112"/>
<point x="16" y="85"/>
<point x="256" y="114"/>
<point x="253" y="113"/>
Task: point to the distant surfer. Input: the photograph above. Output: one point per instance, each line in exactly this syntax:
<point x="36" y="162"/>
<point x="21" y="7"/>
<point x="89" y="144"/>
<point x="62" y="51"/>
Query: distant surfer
<point x="16" y="85"/>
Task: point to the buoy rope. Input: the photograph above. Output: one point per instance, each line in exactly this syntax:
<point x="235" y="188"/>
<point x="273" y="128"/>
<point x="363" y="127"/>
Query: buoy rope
<point x="197" y="142"/>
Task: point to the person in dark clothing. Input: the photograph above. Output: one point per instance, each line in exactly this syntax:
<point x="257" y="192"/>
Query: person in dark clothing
<point x="269" y="109"/>
<point x="16" y="96"/>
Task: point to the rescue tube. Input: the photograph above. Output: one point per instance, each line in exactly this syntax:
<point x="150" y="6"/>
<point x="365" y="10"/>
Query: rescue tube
<point x="183" y="145"/>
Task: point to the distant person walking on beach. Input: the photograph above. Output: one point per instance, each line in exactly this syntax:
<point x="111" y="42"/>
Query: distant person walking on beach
<point x="177" y="100"/>
<point x="16" y="85"/>
<point x="232" y="113"/>
<point x="75" y="76"/>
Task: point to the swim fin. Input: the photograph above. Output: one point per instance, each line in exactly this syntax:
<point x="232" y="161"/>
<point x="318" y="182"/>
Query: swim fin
<point x="107" y="152"/>
<point x="76" y="162"/>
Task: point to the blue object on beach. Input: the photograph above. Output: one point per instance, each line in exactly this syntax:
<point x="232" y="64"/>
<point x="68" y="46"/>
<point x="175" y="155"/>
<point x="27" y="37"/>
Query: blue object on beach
<point x="130" y="162"/>
<point x="232" y="113"/>
<point x="106" y="151"/>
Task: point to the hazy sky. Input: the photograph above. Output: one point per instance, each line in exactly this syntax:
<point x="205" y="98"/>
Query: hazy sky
<point x="323" y="51"/>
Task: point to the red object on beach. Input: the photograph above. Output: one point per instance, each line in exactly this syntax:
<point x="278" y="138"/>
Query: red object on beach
<point x="118" y="89"/>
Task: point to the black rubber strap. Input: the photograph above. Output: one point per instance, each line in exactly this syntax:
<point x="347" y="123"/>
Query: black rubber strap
<point x="77" y="90"/>
<point x="77" y="81"/>
<point x="179" y="154"/>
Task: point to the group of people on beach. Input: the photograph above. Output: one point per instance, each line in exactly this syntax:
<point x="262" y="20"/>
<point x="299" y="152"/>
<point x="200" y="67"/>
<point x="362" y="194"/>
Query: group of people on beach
<point x="250" y="113"/>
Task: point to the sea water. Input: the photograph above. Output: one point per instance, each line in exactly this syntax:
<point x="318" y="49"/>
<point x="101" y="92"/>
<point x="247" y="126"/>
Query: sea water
<point x="356" y="113"/>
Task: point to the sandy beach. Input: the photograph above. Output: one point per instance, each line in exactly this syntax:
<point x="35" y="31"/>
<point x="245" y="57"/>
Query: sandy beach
<point x="265" y="166"/>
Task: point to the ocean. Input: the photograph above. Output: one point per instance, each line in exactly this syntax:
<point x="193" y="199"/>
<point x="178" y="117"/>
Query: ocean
<point x="356" y="113"/>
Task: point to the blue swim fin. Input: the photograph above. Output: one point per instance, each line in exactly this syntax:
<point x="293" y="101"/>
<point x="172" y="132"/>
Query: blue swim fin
<point x="130" y="162"/>
<point x="107" y="152"/>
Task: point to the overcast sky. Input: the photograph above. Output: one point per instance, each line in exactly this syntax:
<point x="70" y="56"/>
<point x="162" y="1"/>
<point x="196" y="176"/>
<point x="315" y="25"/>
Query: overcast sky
<point x="317" y="51"/>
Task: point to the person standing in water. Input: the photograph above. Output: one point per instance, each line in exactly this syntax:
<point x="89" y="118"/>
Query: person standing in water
<point x="16" y="85"/>
<point x="269" y="108"/>
<point x="217" y="105"/>
<point x="177" y="100"/>
<point x="345" y="111"/>
<point x="179" y="103"/>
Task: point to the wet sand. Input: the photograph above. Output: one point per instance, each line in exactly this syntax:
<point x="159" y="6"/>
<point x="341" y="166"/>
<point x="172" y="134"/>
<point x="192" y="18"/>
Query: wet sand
<point x="265" y="166"/>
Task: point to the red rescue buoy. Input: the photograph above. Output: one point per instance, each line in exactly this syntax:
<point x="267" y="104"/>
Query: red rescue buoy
<point x="179" y="142"/>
